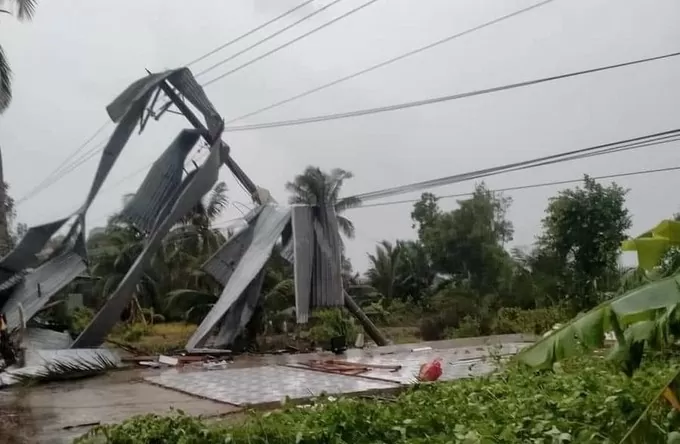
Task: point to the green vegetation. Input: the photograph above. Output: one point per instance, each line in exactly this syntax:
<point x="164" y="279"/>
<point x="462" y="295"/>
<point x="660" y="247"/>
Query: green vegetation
<point x="584" y="401"/>
<point x="456" y="278"/>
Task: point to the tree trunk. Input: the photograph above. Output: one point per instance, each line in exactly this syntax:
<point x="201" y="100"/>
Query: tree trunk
<point x="5" y="240"/>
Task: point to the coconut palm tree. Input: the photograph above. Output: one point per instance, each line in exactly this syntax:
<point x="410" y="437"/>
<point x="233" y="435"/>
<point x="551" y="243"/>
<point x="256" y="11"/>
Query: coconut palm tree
<point x="383" y="272"/>
<point x="316" y="187"/>
<point x="24" y="11"/>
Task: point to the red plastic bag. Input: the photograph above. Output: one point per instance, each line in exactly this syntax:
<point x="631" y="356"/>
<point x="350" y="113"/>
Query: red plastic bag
<point x="430" y="371"/>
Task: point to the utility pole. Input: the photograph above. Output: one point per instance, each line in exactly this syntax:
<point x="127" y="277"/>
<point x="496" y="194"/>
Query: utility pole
<point x="249" y="185"/>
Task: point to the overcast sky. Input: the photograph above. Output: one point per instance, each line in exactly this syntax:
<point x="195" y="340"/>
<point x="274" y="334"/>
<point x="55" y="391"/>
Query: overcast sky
<point x="77" y="55"/>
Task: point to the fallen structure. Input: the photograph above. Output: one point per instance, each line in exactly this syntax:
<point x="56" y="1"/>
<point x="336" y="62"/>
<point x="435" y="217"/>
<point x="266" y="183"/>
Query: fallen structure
<point x="309" y="234"/>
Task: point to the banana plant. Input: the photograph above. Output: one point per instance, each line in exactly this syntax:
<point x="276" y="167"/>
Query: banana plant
<point x="648" y="315"/>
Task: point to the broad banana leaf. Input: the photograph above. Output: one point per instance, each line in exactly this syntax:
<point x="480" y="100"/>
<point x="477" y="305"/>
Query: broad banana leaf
<point x="651" y="245"/>
<point x="643" y="314"/>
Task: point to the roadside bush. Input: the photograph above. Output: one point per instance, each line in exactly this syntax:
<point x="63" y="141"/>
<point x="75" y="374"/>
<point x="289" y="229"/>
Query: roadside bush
<point x="536" y="321"/>
<point x="331" y="323"/>
<point x="433" y="328"/>
<point x="585" y="402"/>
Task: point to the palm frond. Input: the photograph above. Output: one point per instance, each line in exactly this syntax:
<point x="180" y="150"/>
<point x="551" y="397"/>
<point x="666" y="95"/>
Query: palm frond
<point x="66" y="369"/>
<point x="5" y="81"/>
<point x="346" y="227"/>
<point x="647" y="314"/>
<point x="26" y="9"/>
<point x="217" y="201"/>
<point x="335" y="182"/>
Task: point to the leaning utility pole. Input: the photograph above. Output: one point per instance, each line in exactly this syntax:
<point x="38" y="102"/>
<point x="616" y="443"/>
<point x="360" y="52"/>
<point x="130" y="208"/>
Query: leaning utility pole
<point x="250" y="186"/>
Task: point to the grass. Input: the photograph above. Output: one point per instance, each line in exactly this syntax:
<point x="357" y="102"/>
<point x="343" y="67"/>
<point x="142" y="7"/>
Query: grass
<point x="155" y="339"/>
<point x="584" y="401"/>
<point x="402" y="335"/>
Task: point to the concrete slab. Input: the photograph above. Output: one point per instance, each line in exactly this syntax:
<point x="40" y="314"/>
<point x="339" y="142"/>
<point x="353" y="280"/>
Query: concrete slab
<point x="457" y="363"/>
<point x="263" y="385"/>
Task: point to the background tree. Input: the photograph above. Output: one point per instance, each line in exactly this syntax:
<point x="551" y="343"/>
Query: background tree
<point x="24" y="11"/>
<point x="316" y="187"/>
<point x="583" y="231"/>
<point x="466" y="243"/>
<point x="6" y="214"/>
<point x="383" y="273"/>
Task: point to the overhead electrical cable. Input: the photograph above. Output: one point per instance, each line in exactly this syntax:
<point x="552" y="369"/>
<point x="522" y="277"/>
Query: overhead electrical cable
<point x="52" y="179"/>
<point x="607" y="148"/>
<point x="440" y="99"/>
<point x="65" y="164"/>
<point x="246" y="34"/>
<point x="523" y="187"/>
<point x="59" y="170"/>
<point x="266" y="39"/>
<point x="389" y="61"/>
<point x="295" y="40"/>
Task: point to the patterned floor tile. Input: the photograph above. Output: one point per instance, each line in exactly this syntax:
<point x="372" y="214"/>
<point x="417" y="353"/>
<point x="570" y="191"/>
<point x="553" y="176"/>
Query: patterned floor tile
<point x="263" y="384"/>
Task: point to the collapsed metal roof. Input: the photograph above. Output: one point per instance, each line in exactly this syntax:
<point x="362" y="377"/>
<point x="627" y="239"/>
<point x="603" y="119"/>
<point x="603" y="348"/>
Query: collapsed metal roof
<point x="164" y="197"/>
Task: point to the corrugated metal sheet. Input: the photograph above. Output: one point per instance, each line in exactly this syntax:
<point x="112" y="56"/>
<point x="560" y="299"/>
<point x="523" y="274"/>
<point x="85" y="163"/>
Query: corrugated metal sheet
<point x="238" y="315"/>
<point x="44" y="339"/>
<point x="223" y="263"/>
<point x="126" y="109"/>
<point x="41" y="284"/>
<point x="268" y="227"/>
<point x="303" y="248"/>
<point x="327" y="291"/>
<point x="24" y="254"/>
<point x="161" y="186"/>
<point x="187" y="85"/>
<point x="196" y="187"/>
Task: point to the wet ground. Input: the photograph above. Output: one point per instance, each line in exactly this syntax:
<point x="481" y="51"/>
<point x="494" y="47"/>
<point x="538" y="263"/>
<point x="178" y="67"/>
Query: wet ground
<point x="58" y="412"/>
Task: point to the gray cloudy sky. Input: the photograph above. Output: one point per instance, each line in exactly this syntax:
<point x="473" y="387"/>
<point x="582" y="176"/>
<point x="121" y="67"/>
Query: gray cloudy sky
<point x="76" y="55"/>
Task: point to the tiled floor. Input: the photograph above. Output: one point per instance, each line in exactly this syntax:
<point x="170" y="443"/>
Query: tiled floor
<point x="261" y="385"/>
<point x="456" y="363"/>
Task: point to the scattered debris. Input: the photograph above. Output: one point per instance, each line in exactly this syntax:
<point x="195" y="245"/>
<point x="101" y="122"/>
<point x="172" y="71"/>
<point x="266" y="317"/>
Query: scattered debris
<point x="87" y="424"/>
<point x="168" y="360"/>
<point x="430" y="371"/>
<point x="420" y="349"/>
<point x="213" y="365"/>
<point x="152" y="364"/>
<point x="347" y="368"/>
<point x="359" y="343"/>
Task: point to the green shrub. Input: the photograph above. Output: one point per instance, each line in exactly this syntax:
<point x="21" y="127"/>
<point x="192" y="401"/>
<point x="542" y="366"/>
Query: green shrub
<point x="134" y="332"/>
<point x="469" y="327"/>
<point x="585" y="402"/>
<point x="331" y="323"/>
<point x="79" y="319"/>
<point x="433" y="328"/>
<point x="536" y="321"/>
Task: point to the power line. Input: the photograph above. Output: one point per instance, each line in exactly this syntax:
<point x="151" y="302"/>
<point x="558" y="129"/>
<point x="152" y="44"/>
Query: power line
<point x="266" y="39"/>
<point x="525" y="187"/>
<point x="47" y="182"/>
<point x="390" y="61"/>
<point x="295" y="40"/>
<point x="607" y="148"/>
<point x="252" y="31"/>
<point x="430" y="101"/>
<point x="58" y="170"/>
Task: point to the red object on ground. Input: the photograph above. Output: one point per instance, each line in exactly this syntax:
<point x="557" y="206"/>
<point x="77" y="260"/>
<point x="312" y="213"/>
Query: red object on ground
<point x="430" y="371"/>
